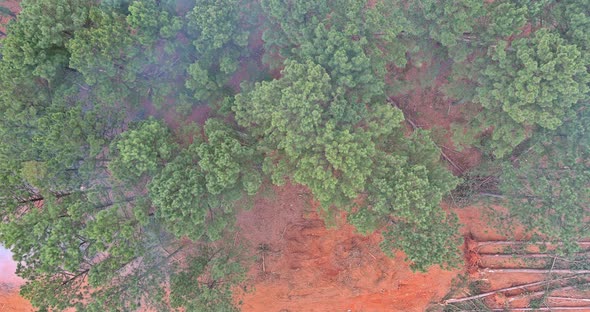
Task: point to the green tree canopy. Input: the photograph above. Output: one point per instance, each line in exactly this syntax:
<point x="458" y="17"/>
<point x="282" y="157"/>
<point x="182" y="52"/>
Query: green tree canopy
<point x="141" y="151"/>
<point x="195" y="192"/>
<point x="550" y="78"/>
<point x="153" y="20"/>
<point x="103" y="51"/>
<point x="292" y="120"/>
<point x="548" y="187"/>
<point x="37" y="40"/>
<point x="217" y="271"/>
<point x="75" y="241"/>
<point x="447" y="20"/>
<point x="96" y="199"/>
<point x="220" y="36"/>
<point x="573" y="22"/>
<point x="292" y="116"/>
<point x="352" y="41"/>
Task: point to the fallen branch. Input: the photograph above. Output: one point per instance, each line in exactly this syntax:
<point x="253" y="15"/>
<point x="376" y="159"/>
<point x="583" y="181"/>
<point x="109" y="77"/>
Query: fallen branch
<point x="569" y="298"/>
<point x="537" y="271"/>
<point x="515" y="243"/>
<point x="447" y="158"/>
<point x="414" y="127"/>
<point x="536" y="256"/>
<point x="515" y="256"/>
<point x="486" y="294"/>
<point x="528" y="255"/>
<point x="491" y="195"/>
<point x="542" y="292"/>
<point x="544" y="309"/>
<point x="550" y="272"/>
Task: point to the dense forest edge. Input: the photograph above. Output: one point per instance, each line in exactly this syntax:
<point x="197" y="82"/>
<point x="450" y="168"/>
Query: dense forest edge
<point x="133" y="132"/>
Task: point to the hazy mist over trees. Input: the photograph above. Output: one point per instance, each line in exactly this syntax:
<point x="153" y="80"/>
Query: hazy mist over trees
<point x="99" y="193"/>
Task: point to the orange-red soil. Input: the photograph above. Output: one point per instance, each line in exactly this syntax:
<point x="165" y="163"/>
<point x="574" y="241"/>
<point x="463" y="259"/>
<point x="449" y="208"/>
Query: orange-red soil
<point x="13" y="302"/>
<point x="429" y="108"/>
<point x="309" y="267"/>
<point x="306" y="266"/>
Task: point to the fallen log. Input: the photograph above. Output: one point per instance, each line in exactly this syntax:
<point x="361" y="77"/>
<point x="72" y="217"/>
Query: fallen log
<point x="491" y="195"/>
<point x="529" y="255"/>
<point x="555" y="309"/>
<point x="569" y="298"/>
<point x="517" y="256"/>
<point x="537" y="271"/>
<point x="414" y="127"/>
<point x="486" y="294"/>
<point x="516" y="243"/>
<point x="542" y="292"/>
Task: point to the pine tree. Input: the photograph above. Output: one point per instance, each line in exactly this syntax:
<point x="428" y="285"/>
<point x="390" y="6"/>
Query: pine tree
<point x="547" y="188"/>
<point x="141" y="151"/>
<point x="401" y="177"/>
<point x="550" y="78"/>
<point x="196" y="191"/>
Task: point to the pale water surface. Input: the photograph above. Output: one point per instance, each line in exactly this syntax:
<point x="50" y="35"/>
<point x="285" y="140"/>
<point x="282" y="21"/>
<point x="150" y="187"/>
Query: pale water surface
<point x="8" y="278"/>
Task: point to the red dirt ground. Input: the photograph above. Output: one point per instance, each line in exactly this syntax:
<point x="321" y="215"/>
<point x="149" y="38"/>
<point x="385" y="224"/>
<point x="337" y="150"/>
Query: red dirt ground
<point x="13" y="302"/>
<point x="309" y="267"/>
<point x="428" y="108"/>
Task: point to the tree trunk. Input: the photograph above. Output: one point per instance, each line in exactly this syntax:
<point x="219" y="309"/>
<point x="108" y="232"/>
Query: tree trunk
<point x="544" y="309"/>
<point x="491" y="195"/>
<point x="31" y="200"/>
<point x="517" y="243"/>
<point x="569" y="299"/>
<point x="529" y="255"/>
<point x="83" y="273"/>
<point x="414" y="126"/>
<point x="506" y="289"/>
<point x="542" y="292"/>
<point x="537" y="271"/>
